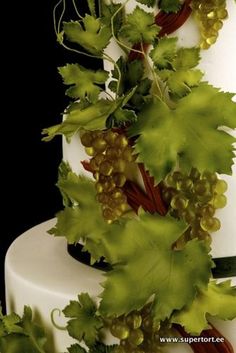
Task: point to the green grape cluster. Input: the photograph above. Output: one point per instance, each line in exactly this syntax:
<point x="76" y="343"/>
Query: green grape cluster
<point x="137" y="334"/>
<point x="111" y="160"/>
<point x="210" y="15"/>
<point x="195" y="198"/>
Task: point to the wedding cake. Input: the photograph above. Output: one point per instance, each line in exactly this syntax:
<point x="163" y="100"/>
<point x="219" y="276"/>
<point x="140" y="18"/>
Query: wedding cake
<point x="148" y="166"/>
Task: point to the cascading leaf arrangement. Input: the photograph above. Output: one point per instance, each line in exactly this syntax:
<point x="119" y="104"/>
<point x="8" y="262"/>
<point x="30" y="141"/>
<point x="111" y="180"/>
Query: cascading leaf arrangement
<point x="157" y="138"/>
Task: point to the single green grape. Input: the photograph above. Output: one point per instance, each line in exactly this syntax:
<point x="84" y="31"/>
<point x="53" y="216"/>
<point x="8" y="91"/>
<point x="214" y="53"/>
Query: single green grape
<point x="90" y="151"/>
<point x="210" y="224"/>
<point x="136" y="337"/>
<point x="202" y="187"/>
<point x="177" y="176"/>
<point x="99" y="144"/>
<point x="134" y="320"/>
<point x="110" y="137"/>
<point x="219" y="201"/>
<point x="220" y="186"/>
<point x="86" y="139"/>
<point x="120" y="330"/>
<point x="179" y="202"/>
<point x="185" y="184"/>
<point x="208" y="210"/>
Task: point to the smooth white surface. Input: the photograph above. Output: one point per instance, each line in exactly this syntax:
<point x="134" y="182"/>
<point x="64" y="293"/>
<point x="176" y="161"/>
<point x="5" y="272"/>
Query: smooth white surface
<point x="39" y="272"/>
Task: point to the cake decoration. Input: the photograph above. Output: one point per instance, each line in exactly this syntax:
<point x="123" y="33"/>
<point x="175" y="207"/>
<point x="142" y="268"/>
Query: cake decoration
<point x="157" y="138"/>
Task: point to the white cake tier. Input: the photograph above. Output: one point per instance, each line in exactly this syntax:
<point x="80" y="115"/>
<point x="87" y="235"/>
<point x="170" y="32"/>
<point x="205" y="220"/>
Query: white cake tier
<point x="40" y="273"/>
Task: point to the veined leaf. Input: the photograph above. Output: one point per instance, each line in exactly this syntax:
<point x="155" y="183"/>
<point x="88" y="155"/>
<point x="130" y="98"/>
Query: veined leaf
<point x="148" y="258"/>
<point x="188" y="136"/>
<point x="218" y="300"/>
<point x="164" y="52"/>
<point x="85" y="82"/>
<point x="83" y="221"/>
<point x="84" y="324"/>
<point x="91" y="34"/>
<point x="175" y="67"/>
<point x="91" y="118"/>
<point x="181" y="82"/>
<point x="186" y="58"/>
<point x="140" y="27"/>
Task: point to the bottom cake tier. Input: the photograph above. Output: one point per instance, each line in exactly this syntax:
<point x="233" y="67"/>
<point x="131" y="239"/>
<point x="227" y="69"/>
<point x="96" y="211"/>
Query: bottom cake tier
<point x="40" y="273"/>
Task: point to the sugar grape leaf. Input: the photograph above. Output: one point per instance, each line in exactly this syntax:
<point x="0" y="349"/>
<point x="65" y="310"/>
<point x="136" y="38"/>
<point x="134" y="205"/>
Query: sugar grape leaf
<point x="85" y="82"/>
<point x="218" y="300"/>
<point x="186" y="58"/>
<point x="10" y="323"/>
<point x="188" y="135"/>
<point x="19" y="335"/>
<point x="180" y="82"/>
<point x="91" y="34"/>
<point x="140" y="27"/>
<point x="84" y="323"/>
<point x="175" y="67"/>
<point x="164" y="52"/>
<point x="172" y="277"/>
<point x="75" y="222"/>
<point x="92" y="117"/>
<point x="122" y="116"/>
<point x="169" y="5"/>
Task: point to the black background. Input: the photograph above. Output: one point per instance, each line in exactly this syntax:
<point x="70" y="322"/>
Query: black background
<point x="33" y="99"/>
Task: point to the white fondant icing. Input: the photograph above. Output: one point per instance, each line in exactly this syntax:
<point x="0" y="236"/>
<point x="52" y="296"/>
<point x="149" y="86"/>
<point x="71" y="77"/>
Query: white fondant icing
<point x="40" y="273"/>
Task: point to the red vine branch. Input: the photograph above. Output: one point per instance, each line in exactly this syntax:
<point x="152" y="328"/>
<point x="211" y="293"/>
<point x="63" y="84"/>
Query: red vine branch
<point x="207" y="347"/>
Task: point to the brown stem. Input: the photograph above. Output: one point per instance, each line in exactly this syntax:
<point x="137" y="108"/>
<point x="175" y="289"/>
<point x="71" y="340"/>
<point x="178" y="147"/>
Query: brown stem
<point x="223" y="346"/>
